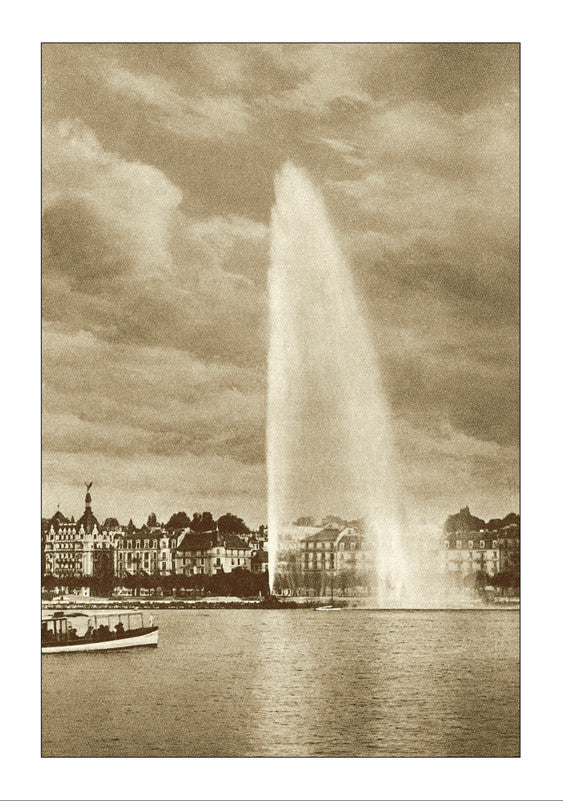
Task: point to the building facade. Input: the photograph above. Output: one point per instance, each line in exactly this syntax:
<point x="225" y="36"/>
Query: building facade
<point x="76" y="549"/>
<point x="468" y="552"/>
<point x="210" y="552"/>
<point x="146" y="551"/>
<point x="335" y="560"/>
<point x="84" y="549"/>
<point x="492" y="548"/>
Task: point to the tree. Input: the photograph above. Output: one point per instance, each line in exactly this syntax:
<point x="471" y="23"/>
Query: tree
<point x="49" y="582"/>
<point x="313" y="580"/>
<point x="481" y="579"/>
<point x="230" y="524"/>
<point x="463" y="521"/>
<point x="151" y="520"/>
<point x="203" y="522"/>
<point x="103" y="572"/>
<point x="178" y="520"/>
<point x="344" y="580"/>
<point x="304" y="521"/>
<point x="219" y="584"/>
<point x="509" y="578"/>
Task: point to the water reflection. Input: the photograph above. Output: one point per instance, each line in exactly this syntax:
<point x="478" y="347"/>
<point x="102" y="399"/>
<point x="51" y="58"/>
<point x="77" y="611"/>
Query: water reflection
<point x="432" y="691"/>
<point x="294" y="683"/>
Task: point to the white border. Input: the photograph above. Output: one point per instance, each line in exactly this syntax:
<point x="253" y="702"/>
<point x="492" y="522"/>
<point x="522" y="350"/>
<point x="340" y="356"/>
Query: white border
<point x="535" y="775"/>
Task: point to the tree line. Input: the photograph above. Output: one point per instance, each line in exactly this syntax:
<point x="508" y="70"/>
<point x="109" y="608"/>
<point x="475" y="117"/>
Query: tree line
<point x="240" y="582"/>
<point x="201" y="522"/>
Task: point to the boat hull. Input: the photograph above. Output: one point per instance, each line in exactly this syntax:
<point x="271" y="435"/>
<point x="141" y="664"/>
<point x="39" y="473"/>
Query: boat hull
<point x="148" y="638"/>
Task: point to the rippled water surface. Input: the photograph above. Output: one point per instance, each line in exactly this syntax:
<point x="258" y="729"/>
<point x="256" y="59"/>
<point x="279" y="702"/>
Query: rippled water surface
<point x="294" y="683"/>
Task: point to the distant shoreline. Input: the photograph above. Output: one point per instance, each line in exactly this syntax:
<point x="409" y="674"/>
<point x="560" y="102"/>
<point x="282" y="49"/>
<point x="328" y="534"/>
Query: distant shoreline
<point x="512" y="604"/>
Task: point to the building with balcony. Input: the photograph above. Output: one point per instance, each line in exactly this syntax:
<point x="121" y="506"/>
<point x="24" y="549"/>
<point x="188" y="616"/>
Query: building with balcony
<point x="335" y="559"/>
<point x="77" y="548"/>
<point x="472" y="546"/>
<point x="149" y="550"/>
<point x="470" y="552"/>
<point x="211" y="552"/>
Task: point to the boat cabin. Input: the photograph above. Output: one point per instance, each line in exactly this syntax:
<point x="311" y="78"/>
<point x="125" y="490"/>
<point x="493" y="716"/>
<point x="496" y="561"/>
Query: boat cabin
<point x="73" y="628"/>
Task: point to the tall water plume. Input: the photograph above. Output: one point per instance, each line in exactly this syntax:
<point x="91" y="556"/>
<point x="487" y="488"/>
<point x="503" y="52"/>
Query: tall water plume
<point x="329" y="444"/>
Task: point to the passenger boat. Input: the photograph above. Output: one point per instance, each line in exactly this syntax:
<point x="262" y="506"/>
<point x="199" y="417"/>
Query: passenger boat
<point x="67" y="633"/>
<point x="328" y="608"/>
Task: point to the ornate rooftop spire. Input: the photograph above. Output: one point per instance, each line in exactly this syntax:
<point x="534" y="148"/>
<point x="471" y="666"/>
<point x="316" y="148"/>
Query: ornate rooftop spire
<point x="88" y="519"/>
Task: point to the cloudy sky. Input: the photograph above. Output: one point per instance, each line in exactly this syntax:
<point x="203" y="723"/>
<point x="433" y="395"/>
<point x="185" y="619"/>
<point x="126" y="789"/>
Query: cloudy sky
<point x="159" y="164"/>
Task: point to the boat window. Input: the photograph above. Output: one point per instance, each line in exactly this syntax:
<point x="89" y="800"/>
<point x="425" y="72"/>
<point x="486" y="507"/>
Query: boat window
<point x="482" y="544"/>
<point x="470" y="544"/>
<point x="458" y="543"/>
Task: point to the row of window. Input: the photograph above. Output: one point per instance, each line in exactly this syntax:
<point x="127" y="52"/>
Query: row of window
<point x="146" y="544"/>
<point x="470" y="544"/>
<point x="328" y="546"/>
<point x="219" y="552"/>
<point x="63" y="558"/>
<point x="319" y="546"/>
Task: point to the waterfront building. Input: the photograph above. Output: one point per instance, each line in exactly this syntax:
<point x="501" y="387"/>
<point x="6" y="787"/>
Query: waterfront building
<point x="472" y="546"/>
<point x="75" y="549"/>
<point x="318" y="552"/>
<point x="211" y="552"/>
<point x="468" y="552"/>
<point x="509" y="545"/>
<point x="86" y="549"/>
<point x="148" y="550"/>
<point x="335" y="558"/>
<point x="258" y="540"/>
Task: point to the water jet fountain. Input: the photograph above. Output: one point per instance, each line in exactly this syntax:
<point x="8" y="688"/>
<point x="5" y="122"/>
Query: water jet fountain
<point x="329" y="443"/>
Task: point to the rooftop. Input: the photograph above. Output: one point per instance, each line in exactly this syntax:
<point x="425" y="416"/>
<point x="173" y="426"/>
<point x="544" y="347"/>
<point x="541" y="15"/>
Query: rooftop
<point x="211" y="539"/>
<point x="328" y="534"/>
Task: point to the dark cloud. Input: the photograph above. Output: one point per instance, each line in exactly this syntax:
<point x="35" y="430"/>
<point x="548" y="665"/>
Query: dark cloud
<point x="81" y="247"/>
<point x="484" y="407"/>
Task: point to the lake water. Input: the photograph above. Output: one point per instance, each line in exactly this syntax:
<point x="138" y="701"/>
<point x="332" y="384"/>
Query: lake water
<point x="236" y="683"/>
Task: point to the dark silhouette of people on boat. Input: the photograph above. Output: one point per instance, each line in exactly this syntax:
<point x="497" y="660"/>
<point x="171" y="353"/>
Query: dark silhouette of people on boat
<point x="96" y="632"/>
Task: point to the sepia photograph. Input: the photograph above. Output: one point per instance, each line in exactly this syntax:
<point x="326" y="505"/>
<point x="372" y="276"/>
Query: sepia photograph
<point x="280" y="403"/>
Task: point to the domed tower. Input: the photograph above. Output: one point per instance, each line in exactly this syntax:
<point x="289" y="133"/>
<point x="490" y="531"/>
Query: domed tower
<point x="88" y="519"/>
